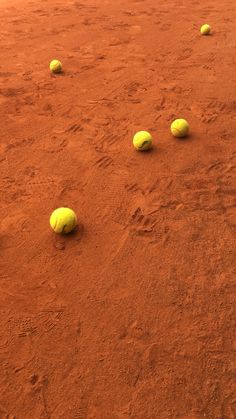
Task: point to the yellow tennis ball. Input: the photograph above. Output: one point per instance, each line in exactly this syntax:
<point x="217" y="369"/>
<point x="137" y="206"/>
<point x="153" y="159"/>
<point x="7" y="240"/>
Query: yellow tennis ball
<point x="55" y="66"/>
<point x="63" y="220"/>
<point x="142" y="141"/>
<point x="205" y="29"/>
<point x="179" y="128"/>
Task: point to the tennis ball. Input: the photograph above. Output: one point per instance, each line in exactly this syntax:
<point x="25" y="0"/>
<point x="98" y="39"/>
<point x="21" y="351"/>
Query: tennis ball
<point x="205" y="29"/>
<point x="142" y="141"/>
<point x="63" y="220"/>
<point x="55" y="66"/>
<point x="179" y="128"/>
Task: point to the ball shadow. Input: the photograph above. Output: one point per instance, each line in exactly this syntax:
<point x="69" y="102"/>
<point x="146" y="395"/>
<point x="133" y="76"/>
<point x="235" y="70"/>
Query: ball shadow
<point x="77" y="233"/>
<point x="61" y="74"/>
<point x="60" y="240"/>
<point x="189" y="138"/>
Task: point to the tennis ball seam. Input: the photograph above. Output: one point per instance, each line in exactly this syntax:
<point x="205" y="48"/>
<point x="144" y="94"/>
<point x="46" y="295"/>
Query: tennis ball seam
<point x="178" y="130"/>
<point x="144" y="143"/>
<point x="63" y="229"/>
<point x="55" y="224"/>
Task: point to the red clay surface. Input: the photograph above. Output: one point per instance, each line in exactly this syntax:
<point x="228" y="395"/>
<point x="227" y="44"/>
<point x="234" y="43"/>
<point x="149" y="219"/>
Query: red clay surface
<point x="131" y="316"/>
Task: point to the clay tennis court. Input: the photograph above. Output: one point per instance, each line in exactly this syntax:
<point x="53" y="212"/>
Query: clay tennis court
<point x="131" y="316"/>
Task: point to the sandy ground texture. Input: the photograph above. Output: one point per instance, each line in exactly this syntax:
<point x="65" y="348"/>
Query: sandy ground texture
<point x="131" y="316"/>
